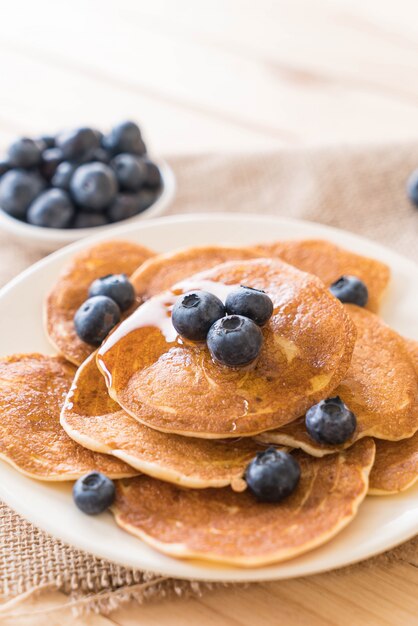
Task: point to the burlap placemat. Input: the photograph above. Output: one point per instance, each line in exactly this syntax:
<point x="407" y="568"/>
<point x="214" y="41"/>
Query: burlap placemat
<point x="361" y="190"/>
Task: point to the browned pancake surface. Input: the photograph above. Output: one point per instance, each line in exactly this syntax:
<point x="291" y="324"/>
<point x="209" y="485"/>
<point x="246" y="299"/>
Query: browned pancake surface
<point x="164" y="270"/>
<point x="32" y="391"/>
<point x="175" y="386"/>
<point x="380" y="387"/>
<point x="223" y="526"/>
<point x="396" y="466"/>
<point x="71" y="290"/>
<point x="95" y="421"/>
<point x="329" y="262"/>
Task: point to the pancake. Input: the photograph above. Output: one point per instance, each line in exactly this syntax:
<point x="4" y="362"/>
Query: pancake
<point x="161" y="272"/>
<point x="233" y="528"/>
<point x="396" y="466"/>
<point x="329" y="262"/>
<point x="380" y="387"/>
<point x="32" y="391"/>
<point x="174" y="386"/>
<point x="95" y="421"/>
<point x="71" y="290"/>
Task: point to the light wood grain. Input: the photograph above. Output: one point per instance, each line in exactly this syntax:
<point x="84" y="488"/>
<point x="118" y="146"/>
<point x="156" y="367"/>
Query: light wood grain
<point x="225" y="75"/>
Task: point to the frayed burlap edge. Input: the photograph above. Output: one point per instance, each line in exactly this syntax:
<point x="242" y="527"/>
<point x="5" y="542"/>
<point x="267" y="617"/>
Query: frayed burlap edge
<point x="31" y="560"/>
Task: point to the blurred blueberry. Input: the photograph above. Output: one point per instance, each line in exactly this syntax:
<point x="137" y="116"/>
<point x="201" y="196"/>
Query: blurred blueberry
<point x="18" y="189"/>
<point x="153" y="177"/>
<point x="94" y="186"/>
<point x="4" y="166"/>
<point x="125" y="137"/>
<point x="46" y="140"/>
<point x="52" y="209"/>
<point x="63" y="175"/>
<point x="77" y="144"/>
<point x="412" y="188"/>
<point x="131" y="171"/>
<point x="125" y="205"/>
<point x="146" y="197"/>
<point x="101" y="155"/>
<point x="24" y="152"/>
<point x="51" y="158"/>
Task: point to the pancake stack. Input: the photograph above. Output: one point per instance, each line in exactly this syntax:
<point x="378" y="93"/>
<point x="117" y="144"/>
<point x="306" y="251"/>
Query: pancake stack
<point x="178" y="430"/>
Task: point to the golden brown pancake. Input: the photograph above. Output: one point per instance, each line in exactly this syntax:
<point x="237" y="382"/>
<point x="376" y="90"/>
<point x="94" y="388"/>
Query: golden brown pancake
<point x="233" y="528"/>
<point x="174" y="386"/>
<point x="71" y="290"/>
<point x="95" y="421"/>
<point x="32" y="391"/>
<point x="161" y="272"/>
<point x="329" y="262"/>
<point x="380" y="387"/>
<point x="396" y="466"/>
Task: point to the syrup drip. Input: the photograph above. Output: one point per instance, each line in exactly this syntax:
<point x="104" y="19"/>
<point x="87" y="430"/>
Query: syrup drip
<point x="156" y="312"/>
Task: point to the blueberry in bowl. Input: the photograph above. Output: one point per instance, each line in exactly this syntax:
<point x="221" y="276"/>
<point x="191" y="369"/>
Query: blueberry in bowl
<point x="55" y="189"/>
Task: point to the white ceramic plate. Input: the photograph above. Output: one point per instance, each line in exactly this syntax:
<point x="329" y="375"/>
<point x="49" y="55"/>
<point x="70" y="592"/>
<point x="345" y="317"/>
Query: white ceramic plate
<point x="49" y="239"/>
<point x="382" y="521"/>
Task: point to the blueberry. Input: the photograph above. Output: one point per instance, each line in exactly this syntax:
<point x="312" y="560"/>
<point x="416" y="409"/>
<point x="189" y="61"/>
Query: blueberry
<point x="4" y="166"/>
<point x="153" y="177"/>
<point x="125" y="205"/>
<point x="88" y="219"/>
<point x="77" y="144"/>
<point x="52" y="209"/>
<point x="251" y="303"/>
<point x="146" y="198"/>
<point x="101" y="155"/>
<point x="130" y="170"/>
<point x="95" y="319"/>
<point x="24" y="152"/>
<point x="125" y="137"/>
<point x="350" y="289"/>
<point x="48" y="141"/>
<point x="51" y="158"/>
<point x="234" y="340"/>
<point x="63" y="175"/>
<point x="115" y="286"/>
<point x="412" y="187"/>
<point x="94" y="186"/>
<point x="17" y="190"/>
<point x="94" y="493"/>
<point x="273" y="475"/>
<point x="195" y="312"/>
<point x="99" y="135"/>
<point x="330" y="422"/>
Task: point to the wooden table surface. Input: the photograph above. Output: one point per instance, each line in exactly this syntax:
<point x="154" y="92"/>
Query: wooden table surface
<point x="227" y="75"/>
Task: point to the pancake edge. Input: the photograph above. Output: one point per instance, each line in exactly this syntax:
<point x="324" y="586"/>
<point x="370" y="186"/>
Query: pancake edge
<point x="62" y="477"/>
<point x="180" y="551"/>
<point x="173" y="477"/>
